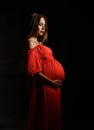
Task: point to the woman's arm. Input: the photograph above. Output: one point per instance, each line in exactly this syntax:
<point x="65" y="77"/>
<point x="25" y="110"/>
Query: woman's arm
<point x="48" y="81"/>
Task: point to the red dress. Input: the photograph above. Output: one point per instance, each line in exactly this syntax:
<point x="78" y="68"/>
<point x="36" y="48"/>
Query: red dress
<point x="45" y="102"/>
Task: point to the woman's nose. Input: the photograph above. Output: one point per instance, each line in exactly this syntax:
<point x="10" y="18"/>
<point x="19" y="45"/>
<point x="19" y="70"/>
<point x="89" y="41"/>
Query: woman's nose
<point x="43" y="27"/>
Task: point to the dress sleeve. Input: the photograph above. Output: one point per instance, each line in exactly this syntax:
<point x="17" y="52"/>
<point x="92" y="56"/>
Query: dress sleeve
<point x="34" y="62"/>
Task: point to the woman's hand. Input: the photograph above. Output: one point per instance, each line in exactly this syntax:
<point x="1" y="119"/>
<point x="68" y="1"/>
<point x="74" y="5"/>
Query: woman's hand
<point x="57" y="83"/>
<point x="51" y="83"/>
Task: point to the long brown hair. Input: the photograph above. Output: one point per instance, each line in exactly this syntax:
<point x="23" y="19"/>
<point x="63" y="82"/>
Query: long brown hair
<point x="33" y="27"/>
<point x="31" y="30"/>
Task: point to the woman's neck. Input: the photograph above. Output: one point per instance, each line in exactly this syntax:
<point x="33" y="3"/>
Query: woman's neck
<point x="34" y="39"/>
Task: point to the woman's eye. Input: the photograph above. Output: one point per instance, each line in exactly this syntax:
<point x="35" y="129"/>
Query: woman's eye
<point x="41" y="25"/>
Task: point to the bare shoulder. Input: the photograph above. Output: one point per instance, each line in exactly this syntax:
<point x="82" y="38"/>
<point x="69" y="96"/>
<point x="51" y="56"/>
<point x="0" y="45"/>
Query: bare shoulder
<point x="32" y="43"/>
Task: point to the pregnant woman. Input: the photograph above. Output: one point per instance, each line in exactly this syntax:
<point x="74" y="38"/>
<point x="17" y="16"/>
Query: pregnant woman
<point x="47" y="76"/>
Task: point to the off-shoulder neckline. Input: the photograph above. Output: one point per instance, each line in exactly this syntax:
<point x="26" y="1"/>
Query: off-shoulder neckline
<point x="36" y="47"/>
<point x="33" y="47"/>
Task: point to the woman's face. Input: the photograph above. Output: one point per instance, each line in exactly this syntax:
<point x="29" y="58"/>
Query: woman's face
<point x="41" y="27"/>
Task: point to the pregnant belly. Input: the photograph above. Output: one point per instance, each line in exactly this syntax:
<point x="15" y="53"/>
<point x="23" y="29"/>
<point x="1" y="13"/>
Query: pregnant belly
<point x="54" y="70"/>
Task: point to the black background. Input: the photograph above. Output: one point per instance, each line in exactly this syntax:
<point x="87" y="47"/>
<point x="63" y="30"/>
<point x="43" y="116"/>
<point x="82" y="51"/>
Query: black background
<point x="71" y="28"/>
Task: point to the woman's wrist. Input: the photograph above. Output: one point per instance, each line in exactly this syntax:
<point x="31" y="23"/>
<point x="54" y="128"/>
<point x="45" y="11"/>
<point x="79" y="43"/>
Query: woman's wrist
<point x="48" y="81"/>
